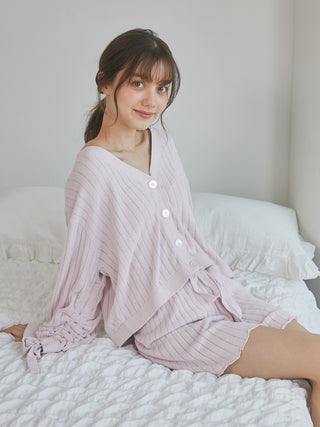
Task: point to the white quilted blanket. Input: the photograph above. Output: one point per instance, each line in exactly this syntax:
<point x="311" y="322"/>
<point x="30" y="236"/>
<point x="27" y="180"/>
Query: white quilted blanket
<point x="102" y="385"/>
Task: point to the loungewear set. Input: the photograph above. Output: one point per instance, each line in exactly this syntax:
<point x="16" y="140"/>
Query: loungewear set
<point x="135" y="259"/>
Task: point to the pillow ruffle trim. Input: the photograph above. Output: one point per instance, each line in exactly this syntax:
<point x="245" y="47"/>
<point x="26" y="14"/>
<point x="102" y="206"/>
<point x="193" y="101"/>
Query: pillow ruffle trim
<point x="43" y="252"/>
<point x="290" y="267"/>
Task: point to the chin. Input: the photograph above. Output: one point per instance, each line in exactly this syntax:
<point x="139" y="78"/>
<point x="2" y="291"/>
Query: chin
<point x="142" y="127"/>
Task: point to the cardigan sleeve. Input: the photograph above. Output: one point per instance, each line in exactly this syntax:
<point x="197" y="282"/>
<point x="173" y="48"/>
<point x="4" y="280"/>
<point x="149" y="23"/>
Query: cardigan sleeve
<point x="75" y="307"/>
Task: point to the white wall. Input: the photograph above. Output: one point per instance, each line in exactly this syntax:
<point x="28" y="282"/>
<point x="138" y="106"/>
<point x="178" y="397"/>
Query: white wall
<point x="230" y="121"/>
<point x="304" y="191"/>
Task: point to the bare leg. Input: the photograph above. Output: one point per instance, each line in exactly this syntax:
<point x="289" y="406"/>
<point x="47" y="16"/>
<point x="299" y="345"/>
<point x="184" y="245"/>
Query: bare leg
<point x="292" y="352"/>
<point x="295" y="325"/>
<point x="16" y="330"/>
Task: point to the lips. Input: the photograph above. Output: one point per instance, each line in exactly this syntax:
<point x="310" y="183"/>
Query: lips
<point x="144" y="114"/>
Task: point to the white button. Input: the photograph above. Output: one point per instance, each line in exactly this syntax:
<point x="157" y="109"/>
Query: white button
<point x="153" y="183"/>
<point x="165" y="213"/>
<point x="194" y="262"/>
<point x="179" y="242"/>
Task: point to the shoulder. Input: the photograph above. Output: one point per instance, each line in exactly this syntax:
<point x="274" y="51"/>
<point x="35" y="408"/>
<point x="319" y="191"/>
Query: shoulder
<point x="91" y="161"/>
<point x="89" y="152"/>
<point x="85" y="187"/>
<point x="89" y="172"/>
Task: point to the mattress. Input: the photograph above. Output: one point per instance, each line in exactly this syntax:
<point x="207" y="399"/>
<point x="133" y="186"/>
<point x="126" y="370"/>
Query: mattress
<point x="100" y="384"/>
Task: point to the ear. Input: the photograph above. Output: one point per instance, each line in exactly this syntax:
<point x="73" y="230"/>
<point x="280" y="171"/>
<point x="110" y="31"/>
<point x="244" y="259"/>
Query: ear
<point x="107" y="89"/>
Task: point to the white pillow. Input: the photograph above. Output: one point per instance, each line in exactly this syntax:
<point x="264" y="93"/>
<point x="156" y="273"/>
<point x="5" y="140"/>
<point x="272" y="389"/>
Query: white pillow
<point x="253" y="235"/>
<point x="32" y="223"/>
<point x="248" y="234"/>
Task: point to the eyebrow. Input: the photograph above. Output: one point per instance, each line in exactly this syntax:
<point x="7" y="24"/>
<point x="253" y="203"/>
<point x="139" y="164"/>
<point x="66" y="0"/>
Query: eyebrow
<point x="163" y="82"/>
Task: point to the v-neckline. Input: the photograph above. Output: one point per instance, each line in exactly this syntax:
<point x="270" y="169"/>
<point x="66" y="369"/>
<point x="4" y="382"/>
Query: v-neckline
<point x="114" y="158"/>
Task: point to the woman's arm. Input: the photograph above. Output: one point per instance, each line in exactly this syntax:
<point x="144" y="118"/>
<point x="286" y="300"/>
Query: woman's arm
<point x="75" y="308"/>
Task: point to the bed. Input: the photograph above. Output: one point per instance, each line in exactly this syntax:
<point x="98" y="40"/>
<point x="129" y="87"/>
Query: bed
<point x="99" y="384"/>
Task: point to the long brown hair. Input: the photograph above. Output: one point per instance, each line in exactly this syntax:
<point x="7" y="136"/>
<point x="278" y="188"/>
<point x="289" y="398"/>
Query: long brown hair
<point x="138" y="48"/>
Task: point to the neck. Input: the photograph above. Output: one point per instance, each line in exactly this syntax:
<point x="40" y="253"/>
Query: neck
<point x="118" y="137"/>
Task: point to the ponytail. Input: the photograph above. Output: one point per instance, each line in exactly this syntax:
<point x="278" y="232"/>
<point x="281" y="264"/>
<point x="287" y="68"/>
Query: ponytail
<point x="94" y="121"/>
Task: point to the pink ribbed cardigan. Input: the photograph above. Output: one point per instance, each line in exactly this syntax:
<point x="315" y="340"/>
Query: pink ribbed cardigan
<point x="131" y="243"/>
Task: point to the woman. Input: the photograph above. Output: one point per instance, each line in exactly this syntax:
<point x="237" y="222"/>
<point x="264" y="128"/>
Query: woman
<point x="133" y="255"/>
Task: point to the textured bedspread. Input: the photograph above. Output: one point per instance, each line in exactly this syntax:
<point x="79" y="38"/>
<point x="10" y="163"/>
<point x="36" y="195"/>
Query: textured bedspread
<point x="102" y="385"/>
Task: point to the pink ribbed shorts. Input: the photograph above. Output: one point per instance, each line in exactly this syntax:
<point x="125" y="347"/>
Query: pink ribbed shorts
<point x="195" y="330"/>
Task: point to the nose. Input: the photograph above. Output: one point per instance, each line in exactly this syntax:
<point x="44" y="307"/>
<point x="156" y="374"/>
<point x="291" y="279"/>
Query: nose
<point x="149" y="99"/>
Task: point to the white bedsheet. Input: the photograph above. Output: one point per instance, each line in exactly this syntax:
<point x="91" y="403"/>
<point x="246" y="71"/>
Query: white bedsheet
<point x="102" y="385"/>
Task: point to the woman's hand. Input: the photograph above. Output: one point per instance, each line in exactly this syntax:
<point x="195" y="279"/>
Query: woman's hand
<point x="16" y="330"/>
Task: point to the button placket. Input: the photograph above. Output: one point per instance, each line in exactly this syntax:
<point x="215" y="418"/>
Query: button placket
<point x="165" y="212"/>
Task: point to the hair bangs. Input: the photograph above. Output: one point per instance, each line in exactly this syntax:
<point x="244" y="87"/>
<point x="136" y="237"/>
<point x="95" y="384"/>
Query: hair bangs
<point x="154" y="68"/>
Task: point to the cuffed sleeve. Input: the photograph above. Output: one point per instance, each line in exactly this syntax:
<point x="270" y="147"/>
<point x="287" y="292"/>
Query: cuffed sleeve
<point x="75" y="307"/>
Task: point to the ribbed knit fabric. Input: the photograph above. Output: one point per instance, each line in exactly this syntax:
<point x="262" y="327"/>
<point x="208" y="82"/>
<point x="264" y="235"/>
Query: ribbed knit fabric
<point x="194" y="330"/>
<point x="132" y="242"/>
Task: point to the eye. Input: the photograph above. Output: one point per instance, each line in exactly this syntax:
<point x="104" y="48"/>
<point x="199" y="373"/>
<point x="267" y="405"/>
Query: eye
<point x="163" y="89"/>
<point x="137" y="84"/>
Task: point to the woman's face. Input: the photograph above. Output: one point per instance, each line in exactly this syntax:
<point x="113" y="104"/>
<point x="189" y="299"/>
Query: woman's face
<point x="140" y="102"/>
